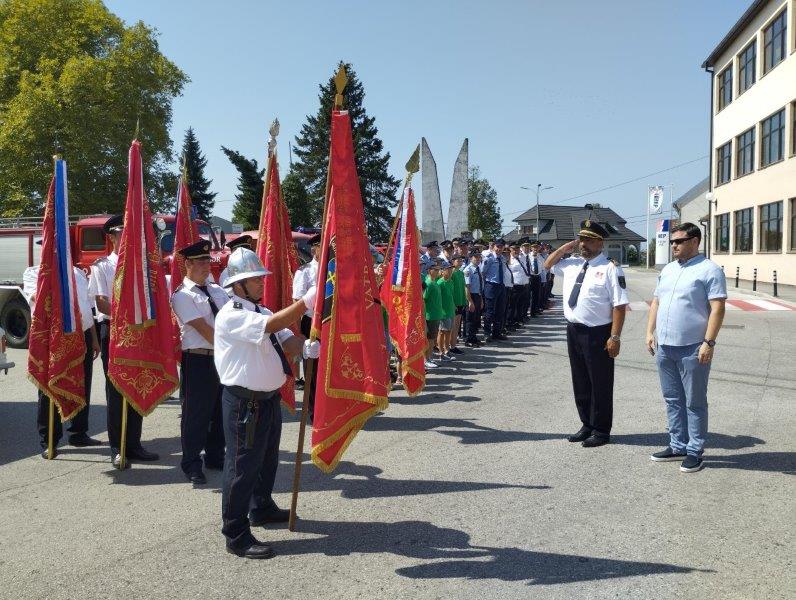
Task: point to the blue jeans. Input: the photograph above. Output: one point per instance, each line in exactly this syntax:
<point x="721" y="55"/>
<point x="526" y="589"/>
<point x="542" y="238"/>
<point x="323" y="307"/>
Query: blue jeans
<point x="684" y="383"/>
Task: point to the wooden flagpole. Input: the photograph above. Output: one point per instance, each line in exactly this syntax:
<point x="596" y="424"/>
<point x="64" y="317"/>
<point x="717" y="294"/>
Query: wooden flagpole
<point x="340" y="81"/>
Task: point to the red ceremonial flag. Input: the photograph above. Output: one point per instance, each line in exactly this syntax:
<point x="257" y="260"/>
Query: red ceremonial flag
<point x="57" y="344"/>
<point x="353" y="374"/>
<point x="278" y="254"/>
<point x="186" y="232"/>
<point x="402" y="295"/>
<point x="142" y="363"/>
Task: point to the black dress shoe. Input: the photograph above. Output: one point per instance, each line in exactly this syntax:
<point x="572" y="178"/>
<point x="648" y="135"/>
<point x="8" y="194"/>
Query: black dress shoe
<point x="142" y="455"/>
<point x="255" y="551"/>
<point x="196" y="478"/>
<point x="582" y="434"/>
<point x="276" y="515"/>
<point x="45" y="454"/>
<point x="81" y="440"/>
<point x="214" y="465"/>
<point x="595" y="440"/>
<point x="501" y="337"/>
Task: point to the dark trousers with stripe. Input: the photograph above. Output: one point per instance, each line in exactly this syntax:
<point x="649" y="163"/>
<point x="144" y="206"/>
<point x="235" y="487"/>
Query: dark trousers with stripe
<point x="201" y="426"/>
<point x="472" y="319"/>
<point x="79" y="424"/>
<point x="249" y="468"/>
<point x="592" y="375"/>
<point x="494" y="308"/>
<point x="114" y="401"/>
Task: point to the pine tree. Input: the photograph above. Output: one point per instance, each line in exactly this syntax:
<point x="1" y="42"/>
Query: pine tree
<point x="378" y="187"/>
<point x="195" y="163"/>
<point x="301" y="209"/>
<point x="483" y="211"/>
<point x="249" y="199"/>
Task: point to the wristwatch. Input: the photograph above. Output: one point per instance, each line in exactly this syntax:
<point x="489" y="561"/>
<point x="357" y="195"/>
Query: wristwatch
<point x="710" y="343"/>
<point x="615" y="338"/>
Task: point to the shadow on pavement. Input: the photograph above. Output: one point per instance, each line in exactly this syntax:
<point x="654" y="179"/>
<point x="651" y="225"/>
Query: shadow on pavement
<point x="782" y="462"/>
<point x="426" y="541"/>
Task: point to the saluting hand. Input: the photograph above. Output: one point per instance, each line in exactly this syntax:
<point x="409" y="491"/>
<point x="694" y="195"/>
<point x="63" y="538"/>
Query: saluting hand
<point x="570" y="246"/>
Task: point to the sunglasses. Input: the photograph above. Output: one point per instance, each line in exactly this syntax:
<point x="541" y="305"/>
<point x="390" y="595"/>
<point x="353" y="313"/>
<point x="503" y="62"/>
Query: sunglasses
<point x="680" y="241"/>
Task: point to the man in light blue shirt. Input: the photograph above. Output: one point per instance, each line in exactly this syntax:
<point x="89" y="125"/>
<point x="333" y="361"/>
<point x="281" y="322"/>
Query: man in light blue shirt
<point x="687" y="312"/>
<point x="493" y="270"/>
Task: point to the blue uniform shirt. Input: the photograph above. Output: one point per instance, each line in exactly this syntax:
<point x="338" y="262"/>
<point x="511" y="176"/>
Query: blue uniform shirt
<point x="684" y="292"/>
<point x="472" y="278"/>
<point x="490" y="269"/>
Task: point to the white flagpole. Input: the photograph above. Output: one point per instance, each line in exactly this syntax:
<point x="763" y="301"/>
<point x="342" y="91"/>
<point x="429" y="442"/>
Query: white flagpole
<point x="647" y="233"/>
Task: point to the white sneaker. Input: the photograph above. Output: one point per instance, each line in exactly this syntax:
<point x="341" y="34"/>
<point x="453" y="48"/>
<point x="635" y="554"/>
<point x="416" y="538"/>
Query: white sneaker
<point x="430" y="365"/>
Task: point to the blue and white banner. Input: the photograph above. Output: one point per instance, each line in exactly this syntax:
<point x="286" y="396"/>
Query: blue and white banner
<point x="63" y="253"/>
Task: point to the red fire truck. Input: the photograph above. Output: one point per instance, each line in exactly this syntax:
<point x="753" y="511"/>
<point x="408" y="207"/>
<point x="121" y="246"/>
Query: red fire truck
<point x="88" y="243"/>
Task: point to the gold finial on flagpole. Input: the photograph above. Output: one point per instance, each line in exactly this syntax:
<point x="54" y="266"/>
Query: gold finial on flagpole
<point x="340" y="81"/>
<point x="273" y="131"/>
<point x="413" y="164"/>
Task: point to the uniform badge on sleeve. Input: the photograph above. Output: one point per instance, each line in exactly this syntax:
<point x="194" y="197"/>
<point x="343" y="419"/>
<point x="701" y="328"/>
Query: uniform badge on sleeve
<point x="622" y="283"/>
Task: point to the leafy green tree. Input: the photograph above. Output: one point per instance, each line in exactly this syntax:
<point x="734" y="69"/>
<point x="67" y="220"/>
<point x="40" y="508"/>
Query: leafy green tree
<point x="74" y="79"/>
<point x="301" y="209"/>
<point x="249" y="199"/>
<point x="195" y="163"/>
<point x="377" y="186"/>
<point x="483" y="210"/>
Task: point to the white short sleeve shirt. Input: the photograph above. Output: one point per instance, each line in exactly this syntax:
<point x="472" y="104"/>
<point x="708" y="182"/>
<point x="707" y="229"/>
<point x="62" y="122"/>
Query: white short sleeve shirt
<point x="600" y="291"/>
<point x="190" y="303"/>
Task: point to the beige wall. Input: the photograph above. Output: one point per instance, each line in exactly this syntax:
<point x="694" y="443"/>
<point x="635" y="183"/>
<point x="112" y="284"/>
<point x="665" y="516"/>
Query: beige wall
<point x="770" y="93"/>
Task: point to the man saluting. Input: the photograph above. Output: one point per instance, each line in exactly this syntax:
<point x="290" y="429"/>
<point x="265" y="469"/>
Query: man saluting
<point x="594" y="307"/>
<point x="252" y="366"/>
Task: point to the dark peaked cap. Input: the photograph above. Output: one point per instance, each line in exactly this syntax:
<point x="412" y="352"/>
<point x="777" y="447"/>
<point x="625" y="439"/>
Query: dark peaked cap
<point x="592" y="229"/>
<point x="239" y="241"/>
<point x="200" y="249"/>
<point x="114" y="224"/>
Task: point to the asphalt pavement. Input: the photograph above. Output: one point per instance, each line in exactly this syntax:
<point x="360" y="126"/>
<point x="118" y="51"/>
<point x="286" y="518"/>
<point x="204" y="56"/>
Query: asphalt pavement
<point x="468" y="490"/>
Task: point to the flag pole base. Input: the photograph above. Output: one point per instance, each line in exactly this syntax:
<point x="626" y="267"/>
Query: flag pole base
<point x="51" y="432"/>
<point x="305" y="404"/>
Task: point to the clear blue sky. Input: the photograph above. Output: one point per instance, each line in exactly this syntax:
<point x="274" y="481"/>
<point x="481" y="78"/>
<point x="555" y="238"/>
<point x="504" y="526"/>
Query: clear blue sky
<point x="579" y="95"/>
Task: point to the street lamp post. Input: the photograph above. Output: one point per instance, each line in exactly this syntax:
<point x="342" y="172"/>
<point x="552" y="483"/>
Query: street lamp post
<point x="539" y="189"/>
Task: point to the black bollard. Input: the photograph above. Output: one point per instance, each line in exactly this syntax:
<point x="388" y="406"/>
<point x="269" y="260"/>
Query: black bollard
<point x="775" y="284"/>
<point x="737" y="275"/>
<point x="754" y="281"/>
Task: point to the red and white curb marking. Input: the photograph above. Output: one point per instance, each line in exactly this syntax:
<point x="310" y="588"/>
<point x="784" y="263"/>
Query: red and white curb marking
<point x="750" y="305"/>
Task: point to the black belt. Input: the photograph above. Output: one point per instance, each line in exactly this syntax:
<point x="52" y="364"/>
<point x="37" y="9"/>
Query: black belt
<point x="582" y="326"/>
<point x="242" y="392"/>
<point x="199" y="351"/>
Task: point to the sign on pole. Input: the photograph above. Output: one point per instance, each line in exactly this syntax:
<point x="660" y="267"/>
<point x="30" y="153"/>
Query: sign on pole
<point x="655" y="199"/>
<point x="662" y="242"/>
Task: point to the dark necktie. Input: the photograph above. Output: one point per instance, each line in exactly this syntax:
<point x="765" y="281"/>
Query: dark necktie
<point x="282" y="358"/>
<point x="500" y="270"/>
<point x="527" y="265"/>
<point x="480" y="279"/>
<point x="213" y="306"/>
<point x="573" y="297"/>
<point x="535" y="266"/>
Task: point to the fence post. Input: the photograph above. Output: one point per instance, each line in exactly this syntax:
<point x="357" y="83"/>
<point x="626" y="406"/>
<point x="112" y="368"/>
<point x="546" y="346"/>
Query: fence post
<point x="775" y="283"/>
<point x="737" y="275"/>
<point x="754" y="281"/>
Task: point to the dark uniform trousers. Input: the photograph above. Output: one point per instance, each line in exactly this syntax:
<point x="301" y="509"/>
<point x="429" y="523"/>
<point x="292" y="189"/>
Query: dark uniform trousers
<point x="592" y="375"/>
<point x="511" y="304"/>
<point x="494" y="307"/>
<point x="250" y="465"/>
<point x="306" y="325"/>
<point x="473" y="319"/>
<point x="79" y="424"/>
<point x="114" y="401"/>
<point x="201" y="426"/>
<point x="536" y="294"/>
<point x="520" y="304"/>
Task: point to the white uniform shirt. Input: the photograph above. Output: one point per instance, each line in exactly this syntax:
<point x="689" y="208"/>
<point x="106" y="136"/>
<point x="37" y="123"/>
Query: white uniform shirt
<point x="517" y="268"/>
<point x="102" y="273"/>
<point x="30" y="278"/>
<point x="244" y="355"/>
<point x="190" y="303"/>
<point x="223" y="277"/>
<point x="600" y="292"/>
<point x="508" y="278"/>
<point x="303" y="280"/>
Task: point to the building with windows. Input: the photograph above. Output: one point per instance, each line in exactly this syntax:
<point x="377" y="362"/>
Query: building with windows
<point x="560" y="224"/>
<point x="752" y="213"/>
<point x="692" y="207"/>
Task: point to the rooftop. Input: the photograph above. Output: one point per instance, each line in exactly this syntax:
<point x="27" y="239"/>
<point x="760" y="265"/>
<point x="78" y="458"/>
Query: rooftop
<point x="558" y="222"/>
<point x="745" y="19"/>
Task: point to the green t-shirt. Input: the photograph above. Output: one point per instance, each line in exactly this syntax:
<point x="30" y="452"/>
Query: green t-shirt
<point x="459" y="295"/>
<point x="433" y="301"/>
<point x="446" y="291"/>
